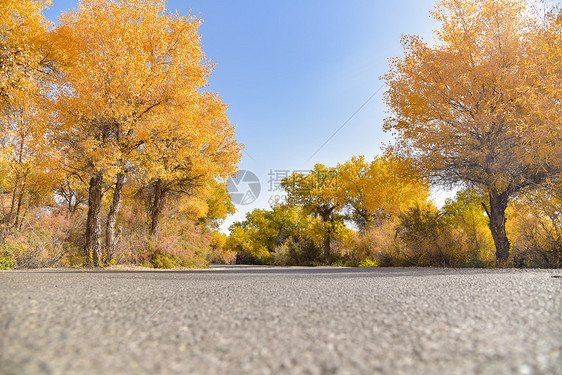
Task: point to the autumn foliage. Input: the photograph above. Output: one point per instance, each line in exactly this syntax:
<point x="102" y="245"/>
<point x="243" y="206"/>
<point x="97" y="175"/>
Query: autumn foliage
<point x="113" y="151"/>
<point x="109" y="108"/>
<point x="478" y="110"/>
<point x="466" y="107"/>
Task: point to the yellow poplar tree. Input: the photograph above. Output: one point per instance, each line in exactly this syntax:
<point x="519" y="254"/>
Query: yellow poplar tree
<point x="375" y="191"/>
<point x="540" y="90"/>
<point x="187" y="152"/>
<point x="455" y="106"/>
<point x="25" y="70"/>
<point x="25" y="59"/>
<point x="127" y="66"/>
<point x="25" y="155"/>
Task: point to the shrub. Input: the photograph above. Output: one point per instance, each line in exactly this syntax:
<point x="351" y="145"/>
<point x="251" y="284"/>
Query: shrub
<point x="40" y="242"/>
<point x="425" y="237"/>
<point x="535" y="230"/>
<point x="166" y="255"/>
<point x="183" y="241"/>
<point x="297" y="252"/>
<point x="376" y="244"/>
<point x="218" y="253"/>
<point x="7" y="261"/>
<point x="367" y="263"/>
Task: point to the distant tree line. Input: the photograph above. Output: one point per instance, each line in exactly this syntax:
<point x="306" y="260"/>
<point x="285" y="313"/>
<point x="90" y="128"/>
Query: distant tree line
<point x="111" y="151"/>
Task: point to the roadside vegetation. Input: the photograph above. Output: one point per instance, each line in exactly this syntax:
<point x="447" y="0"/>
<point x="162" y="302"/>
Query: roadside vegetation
<point x="399" y="231"/>
<point x="112" y="152"/>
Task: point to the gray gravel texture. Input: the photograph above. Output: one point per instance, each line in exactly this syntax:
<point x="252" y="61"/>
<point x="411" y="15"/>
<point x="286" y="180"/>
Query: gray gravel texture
<point x="260" y="320"/>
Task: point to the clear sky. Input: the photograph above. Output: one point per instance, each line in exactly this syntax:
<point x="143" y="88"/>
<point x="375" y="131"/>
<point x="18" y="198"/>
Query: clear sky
<point x="294" y="71"/>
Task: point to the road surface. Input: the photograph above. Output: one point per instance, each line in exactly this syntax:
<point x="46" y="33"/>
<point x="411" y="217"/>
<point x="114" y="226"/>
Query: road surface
<point x="261" y="320"/>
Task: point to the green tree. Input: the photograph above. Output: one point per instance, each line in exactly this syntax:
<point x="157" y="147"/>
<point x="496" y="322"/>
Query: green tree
<point x="263" y="231"/>
<point x="465" y="212"/>
<point x="319" y="193"/>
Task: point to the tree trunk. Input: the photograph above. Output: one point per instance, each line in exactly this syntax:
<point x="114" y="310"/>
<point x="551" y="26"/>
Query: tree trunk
<point x="18" y="220"/>
<point x="77" y="202"/>
<point x="13" y="204"/>
<point x="2" y="207"/>
<point x="496" y="215"/>
<point x="93" y="225"/>
<point x="326" y="215"/>
<point x="112" y="217"/>
<point x="156" y="208"/>
<point x="326" y="247"/>
<point x="23" y="216"/>
<point x="475" y="233"/>
<point x="18" y="210"/>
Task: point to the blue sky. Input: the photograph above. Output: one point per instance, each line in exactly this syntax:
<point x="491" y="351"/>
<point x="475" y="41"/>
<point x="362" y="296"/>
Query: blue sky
<point x="293" y="72"/>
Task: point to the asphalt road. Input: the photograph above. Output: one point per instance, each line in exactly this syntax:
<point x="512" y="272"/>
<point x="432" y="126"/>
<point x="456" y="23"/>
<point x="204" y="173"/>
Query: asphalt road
<point x="252" y="320"/>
